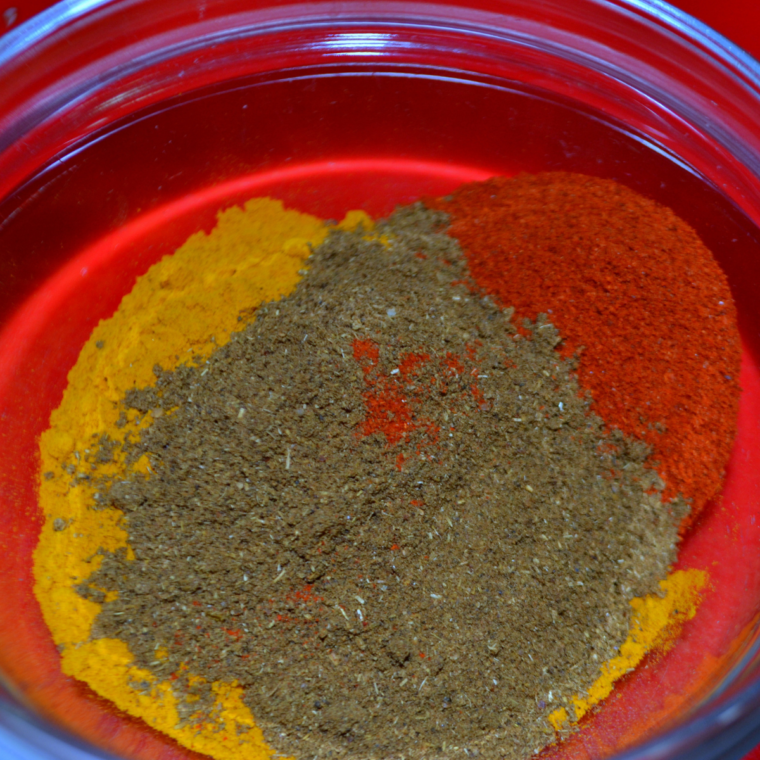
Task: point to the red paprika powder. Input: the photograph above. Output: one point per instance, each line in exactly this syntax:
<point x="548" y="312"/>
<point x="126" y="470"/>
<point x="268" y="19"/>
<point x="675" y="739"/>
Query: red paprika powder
<point x="636" y="295"/>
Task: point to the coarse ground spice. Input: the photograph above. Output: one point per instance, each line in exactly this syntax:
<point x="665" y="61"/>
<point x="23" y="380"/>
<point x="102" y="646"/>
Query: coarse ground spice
<point x="391" y="517"/>
<point x="633" y="291"/>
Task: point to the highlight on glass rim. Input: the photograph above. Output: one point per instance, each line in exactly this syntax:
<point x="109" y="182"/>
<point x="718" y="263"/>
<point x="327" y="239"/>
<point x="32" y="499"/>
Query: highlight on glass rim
<point x="398" y="487"/>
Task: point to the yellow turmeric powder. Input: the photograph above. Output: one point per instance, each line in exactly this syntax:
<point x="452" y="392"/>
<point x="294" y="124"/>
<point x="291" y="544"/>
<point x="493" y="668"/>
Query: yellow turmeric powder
<point x="655" y="623"/>
<point x="180" y="311"/>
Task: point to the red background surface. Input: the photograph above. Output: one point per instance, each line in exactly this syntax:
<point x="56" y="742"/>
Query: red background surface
<point x="739" y="20"/>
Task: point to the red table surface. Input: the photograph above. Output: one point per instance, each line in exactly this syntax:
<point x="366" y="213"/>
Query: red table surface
<point x="739" y="20"/>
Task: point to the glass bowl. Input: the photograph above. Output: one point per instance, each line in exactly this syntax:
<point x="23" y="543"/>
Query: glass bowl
<point x="126" y="125"/>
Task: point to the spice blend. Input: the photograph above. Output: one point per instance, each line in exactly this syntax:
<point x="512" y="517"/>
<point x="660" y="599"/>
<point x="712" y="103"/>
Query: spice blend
<point x="403" y="511"/>
<point x="388" y="515"/>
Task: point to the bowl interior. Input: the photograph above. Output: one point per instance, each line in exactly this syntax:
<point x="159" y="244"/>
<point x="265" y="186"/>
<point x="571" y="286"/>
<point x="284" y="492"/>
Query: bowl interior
<point x="326" y="138"/>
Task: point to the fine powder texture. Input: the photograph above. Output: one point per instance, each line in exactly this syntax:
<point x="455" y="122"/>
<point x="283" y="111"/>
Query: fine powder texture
<point x="390" y="516"/>
<point x="633" y="289"/>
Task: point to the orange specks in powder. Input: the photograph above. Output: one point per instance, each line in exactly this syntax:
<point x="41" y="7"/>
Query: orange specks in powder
<point x="366" y="349"/>
<point x="392" y="398"/>
<point x="389" y="412"/>
<point x="454" y="363"/>
<point x="480" y="399"/>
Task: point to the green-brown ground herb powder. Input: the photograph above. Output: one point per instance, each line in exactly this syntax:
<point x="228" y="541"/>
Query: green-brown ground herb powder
<point x="392" y="518"/>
